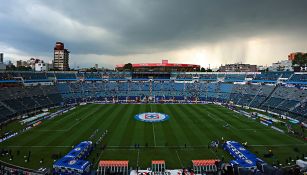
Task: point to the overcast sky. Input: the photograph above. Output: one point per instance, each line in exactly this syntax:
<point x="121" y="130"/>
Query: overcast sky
<point x="110" y="32"/>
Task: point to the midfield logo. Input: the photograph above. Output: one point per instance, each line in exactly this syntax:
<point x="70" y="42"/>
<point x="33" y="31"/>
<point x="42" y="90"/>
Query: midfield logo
<point x="152" y="116"/>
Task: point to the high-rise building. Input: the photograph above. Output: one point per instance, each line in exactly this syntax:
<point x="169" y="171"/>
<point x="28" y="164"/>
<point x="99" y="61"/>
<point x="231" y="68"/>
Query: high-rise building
<point x="61" y="57"/>
<point x="1" y="57"/>
<point x="2" y="65"/>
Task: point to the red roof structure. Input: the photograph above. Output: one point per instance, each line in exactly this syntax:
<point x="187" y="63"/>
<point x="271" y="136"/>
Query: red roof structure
<point x="158" y="162"/>
<point x="113" y="166"/>
<point x="204" y="162"/>
<point x="159" y="65"/>
<point x="208" y="166"/>
<point x="113" y="163"/>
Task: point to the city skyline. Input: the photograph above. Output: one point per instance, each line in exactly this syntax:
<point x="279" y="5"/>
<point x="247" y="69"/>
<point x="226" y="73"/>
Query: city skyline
<point x="195" y="32"/>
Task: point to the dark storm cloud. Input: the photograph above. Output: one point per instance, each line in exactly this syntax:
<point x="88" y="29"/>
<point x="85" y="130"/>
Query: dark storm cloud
<point x="137" y="26"/>
<point x="160" y="23"/>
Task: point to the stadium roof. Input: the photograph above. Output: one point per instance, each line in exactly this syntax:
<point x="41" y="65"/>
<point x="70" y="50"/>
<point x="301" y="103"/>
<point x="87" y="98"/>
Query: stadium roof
<point x="163" y="64"/>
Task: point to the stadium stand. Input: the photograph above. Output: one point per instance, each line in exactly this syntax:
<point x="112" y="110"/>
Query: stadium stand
<point x="32" y="76"/>
<point x="235" y="77"/>
<point x="269" y="77"/>
<point x="209" y="77"/>
<point x="298" y="79"/>
<point x="66" y="76"/>
<point x="19" y="100"/>
<point x="287" y="98"/>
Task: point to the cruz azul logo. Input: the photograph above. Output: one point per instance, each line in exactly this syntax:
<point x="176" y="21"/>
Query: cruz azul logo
<point x="151" y="117"/>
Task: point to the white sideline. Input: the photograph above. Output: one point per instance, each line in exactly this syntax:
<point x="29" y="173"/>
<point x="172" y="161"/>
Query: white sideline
<point x="282" y="145"/>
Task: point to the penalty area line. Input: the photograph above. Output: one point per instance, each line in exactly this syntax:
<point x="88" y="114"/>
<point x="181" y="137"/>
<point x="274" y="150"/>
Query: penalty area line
<point x="179" y="158"/>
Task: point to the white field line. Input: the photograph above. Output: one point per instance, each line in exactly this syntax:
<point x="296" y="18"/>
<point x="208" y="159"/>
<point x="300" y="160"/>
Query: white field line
<point x="154" y="134"/>
<point x="67" y="116"/>
<point x="227" y="123"/>
<point x="280" y="145"/>
<point x="137" y="160"/>
<point x="203" y="146"/>
<point x="132" y="147"/>
<point x="209" y="115"/>
<point x="220" y="119"/>
<point x="59" y="130"/>
<point x="68" y="129"/>
<point x="179" y="158"/>
<point x="99" y="157"/>
<point x="251" y="129"/>
<point x="37" y="146"/>
<point x="153" y="127"/>
<point x="216" y="156"/>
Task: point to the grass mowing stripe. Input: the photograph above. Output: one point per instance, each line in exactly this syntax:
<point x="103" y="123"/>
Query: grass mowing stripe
<point x="154" y="135"/>
<point x="271" y="135"/>
<point x="189" y="126"/>
<point x="170" y="135"/>
<point x="167" y="135"/>
<point x="138" y="133"/>
<point x="239" y="136"/>
<point x="244" y="135"/>
<point x="59" y="123"/>
<point x="205" y="124"/>
<point x="147" y="129"/>
<point x="176" y="127"/>
<point x="153" y="129"/>
<point x="179" y="159"/>
<point x="75" y="136"/>
<point x="158" y="128"/>
<point x="84" y="132"/>
<point x="114" y="122"/>
<point x="127" y="128"/>
<point x="31" y="136"/>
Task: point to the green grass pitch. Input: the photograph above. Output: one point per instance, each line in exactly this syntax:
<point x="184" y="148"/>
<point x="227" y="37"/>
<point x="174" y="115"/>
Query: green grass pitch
<point x="191" y="125"/>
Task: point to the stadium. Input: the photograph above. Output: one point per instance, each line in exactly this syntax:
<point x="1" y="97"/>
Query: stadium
<point x="152" y="122"/>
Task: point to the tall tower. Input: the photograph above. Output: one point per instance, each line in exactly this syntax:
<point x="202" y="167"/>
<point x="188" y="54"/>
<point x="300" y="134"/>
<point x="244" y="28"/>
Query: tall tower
<point x="1" y="57"/>
<point x="61" y="57"/>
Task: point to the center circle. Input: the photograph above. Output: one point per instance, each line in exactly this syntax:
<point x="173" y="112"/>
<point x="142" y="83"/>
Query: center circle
<point x="151" y="117"/>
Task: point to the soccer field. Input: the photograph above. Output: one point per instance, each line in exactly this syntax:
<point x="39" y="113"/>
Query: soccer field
<point x="182" y="138"/>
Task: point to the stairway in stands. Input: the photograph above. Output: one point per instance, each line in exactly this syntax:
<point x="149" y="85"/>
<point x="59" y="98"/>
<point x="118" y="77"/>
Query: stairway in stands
<point x="298" y="104"/>
<point x="9" y="108"/>
<point x="258" y="92"/>
<point x="268" y="97"/>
